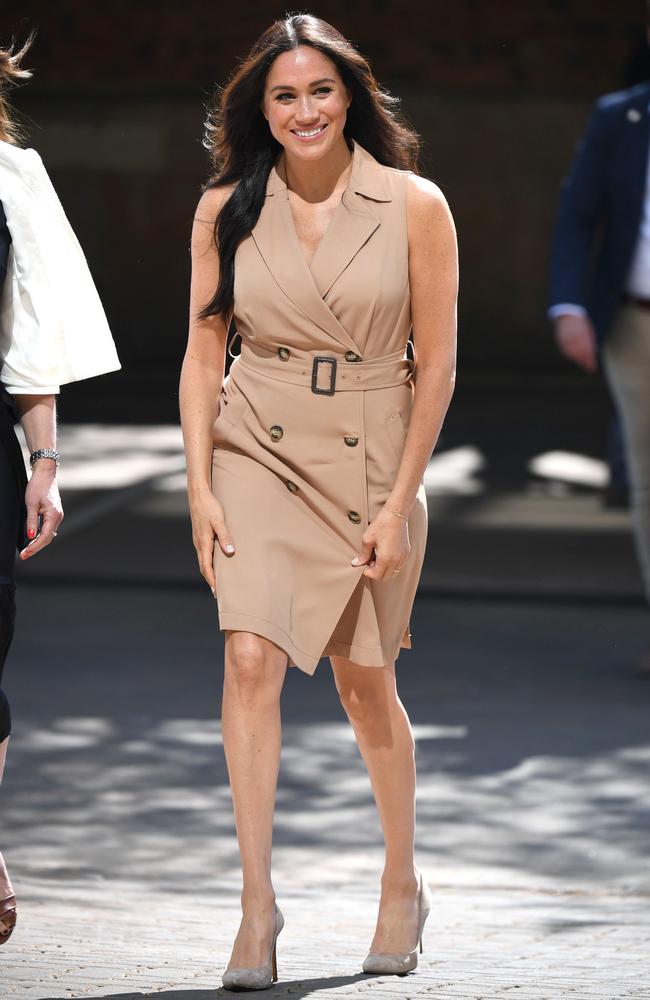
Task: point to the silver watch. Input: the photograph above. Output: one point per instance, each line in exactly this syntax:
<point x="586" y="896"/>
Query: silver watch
<point x="44" y="453"/>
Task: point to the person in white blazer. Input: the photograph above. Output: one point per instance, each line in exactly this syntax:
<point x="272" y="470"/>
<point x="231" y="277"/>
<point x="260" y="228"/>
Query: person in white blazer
<point x="52" y="331"/>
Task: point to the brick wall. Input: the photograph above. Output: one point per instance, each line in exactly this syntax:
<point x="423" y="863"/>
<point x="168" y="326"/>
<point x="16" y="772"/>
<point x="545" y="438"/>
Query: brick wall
<point x="498" y="89"/>
<point x="540" y="47"/>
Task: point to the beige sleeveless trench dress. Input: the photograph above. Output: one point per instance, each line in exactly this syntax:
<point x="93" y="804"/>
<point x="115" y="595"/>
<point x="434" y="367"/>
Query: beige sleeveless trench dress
<point x="306" y="451"/>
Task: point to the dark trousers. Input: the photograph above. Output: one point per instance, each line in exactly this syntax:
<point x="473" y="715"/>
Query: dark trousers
<point x="11" y="506"/>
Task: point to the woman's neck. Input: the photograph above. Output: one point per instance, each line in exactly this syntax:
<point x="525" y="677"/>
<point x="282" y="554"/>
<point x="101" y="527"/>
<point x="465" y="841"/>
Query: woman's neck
<point x="317" y="180"/>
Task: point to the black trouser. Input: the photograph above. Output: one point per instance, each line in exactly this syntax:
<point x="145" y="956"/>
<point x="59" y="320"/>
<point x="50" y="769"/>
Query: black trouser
<point x="10" y="514"/>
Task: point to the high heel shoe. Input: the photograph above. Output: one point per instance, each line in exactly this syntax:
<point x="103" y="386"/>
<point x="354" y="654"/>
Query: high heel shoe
<point x="259" y="977"/>
<point x="399" y="963"/>
<point x="7" y="918"/>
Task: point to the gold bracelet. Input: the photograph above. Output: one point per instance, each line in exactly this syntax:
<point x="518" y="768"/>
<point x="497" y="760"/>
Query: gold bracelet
<point x="396" y="512"/>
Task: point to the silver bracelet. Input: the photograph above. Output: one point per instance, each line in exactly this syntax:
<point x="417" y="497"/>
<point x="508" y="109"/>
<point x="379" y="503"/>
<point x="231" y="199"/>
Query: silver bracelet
<point x="44" y="453"/>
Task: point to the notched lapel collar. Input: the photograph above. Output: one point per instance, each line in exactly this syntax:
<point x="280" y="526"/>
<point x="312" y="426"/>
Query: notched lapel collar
<point x="351" y="226"/>
<point x="275" y="237"/>
<point x="638" y="137"/>
<point x="354" y="221"/>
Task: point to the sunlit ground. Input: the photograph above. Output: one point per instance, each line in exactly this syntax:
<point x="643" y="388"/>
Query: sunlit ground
<point x="103" y="456"/>
<point x="530" y="730"/>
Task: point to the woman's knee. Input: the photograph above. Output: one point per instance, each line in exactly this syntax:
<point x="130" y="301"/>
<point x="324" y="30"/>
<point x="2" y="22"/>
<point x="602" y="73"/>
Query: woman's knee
<point x="254" y="664"/>
<point x="362" y="705"/>
<point x="365" y="692"/>
<point x="374" y="714"/>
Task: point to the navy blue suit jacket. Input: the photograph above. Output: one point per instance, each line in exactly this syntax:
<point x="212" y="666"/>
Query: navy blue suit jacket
<point x="601" y="207"/>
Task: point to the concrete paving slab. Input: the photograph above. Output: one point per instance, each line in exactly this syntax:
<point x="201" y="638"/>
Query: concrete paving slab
<point x="532" y="747"/>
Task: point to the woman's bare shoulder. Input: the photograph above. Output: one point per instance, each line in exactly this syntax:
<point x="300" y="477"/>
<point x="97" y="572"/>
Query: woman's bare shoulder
<point x="424" y="195"/>
<point x="427" y="210"/>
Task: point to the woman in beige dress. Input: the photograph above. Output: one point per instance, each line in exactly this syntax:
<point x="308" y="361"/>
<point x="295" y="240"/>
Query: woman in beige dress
<point x="305" y="464"/>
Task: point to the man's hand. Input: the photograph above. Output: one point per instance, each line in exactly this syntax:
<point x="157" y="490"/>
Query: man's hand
<point x="576" y="339"/>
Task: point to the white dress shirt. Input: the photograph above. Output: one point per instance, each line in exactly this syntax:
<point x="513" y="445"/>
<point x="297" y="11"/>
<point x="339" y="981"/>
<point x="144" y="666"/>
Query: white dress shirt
<point x="638" y="278"/>
<point x="53" y="329"/>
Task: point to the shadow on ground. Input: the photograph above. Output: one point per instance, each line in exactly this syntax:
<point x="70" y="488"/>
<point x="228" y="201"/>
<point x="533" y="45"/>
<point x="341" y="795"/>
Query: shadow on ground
<point x="531" y="745"/>
<point x="290" y="988"/>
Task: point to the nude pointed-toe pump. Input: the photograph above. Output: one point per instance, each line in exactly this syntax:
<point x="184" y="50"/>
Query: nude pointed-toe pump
<point x="259" y="977"/>
<point x="399" y="963"/>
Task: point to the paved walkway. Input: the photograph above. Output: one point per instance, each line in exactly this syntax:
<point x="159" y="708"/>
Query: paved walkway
<point x="533" y="755"/>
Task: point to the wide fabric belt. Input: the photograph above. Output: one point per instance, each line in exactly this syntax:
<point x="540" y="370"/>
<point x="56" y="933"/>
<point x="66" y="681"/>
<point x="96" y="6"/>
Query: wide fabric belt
<point x="326" y="374"/>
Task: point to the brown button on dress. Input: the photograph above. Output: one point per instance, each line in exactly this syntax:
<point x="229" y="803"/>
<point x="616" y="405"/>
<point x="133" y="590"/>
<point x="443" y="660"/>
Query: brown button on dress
<point x="297" y="497"/>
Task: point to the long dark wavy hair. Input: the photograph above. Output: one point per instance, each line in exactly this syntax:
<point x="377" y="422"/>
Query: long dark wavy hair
<point x="243" y="150"/>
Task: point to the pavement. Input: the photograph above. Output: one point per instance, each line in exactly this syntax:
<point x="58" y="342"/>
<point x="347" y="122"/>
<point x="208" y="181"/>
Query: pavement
<point x="532" y="750"/>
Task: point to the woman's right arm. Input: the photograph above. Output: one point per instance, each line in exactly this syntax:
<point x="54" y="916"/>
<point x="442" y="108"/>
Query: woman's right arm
<point x="200" y="384"/>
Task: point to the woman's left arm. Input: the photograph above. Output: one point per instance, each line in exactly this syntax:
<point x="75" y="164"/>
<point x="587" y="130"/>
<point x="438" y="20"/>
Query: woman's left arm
<point x="433" y="277"/>
<point x="38" y="418"/>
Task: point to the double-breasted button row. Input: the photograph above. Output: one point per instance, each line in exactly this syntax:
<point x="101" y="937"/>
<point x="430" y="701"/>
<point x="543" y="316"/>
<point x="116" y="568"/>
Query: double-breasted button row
<point x="277" y="432"/>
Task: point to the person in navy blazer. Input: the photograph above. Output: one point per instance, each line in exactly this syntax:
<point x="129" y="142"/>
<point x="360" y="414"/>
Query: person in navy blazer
<point x="600" y="279"/>
<point x="605" y="190"/>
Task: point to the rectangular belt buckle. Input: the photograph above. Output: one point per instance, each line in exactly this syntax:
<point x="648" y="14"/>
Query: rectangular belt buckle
<point x="314" y="376"/>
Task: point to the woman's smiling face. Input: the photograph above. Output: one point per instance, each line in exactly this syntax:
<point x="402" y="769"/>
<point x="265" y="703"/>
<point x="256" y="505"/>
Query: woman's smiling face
<point x="305" y="102"/>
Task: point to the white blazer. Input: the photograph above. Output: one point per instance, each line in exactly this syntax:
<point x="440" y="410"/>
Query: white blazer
<point x="53" y="329"/>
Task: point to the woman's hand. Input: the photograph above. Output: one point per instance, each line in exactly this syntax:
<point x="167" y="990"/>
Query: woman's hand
<point x="386" y="546"/>
<point x="208" y="523"/>
<point x="42" y="497"/>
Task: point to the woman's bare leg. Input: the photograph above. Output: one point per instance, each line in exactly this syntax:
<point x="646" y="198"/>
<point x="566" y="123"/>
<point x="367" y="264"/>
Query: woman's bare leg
<point x="385" y="740"/>
<point x="254" y="674"/>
